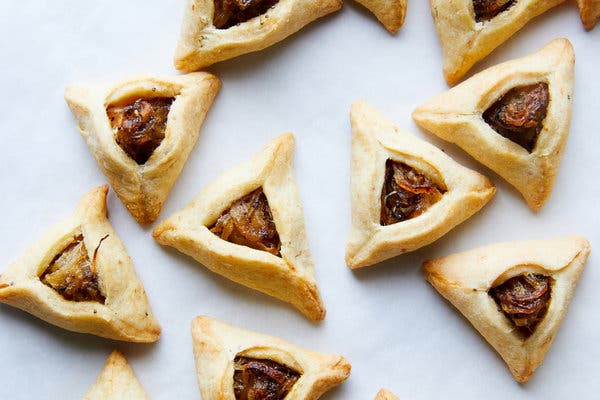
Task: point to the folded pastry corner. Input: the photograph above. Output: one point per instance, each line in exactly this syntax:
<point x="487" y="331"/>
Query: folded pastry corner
<point x="79" y="277"/>
<point x="117" y="381"/>
<point x="248" y="225"/>
<point x="236" y="363"/>
<point x="514" y="118"/>
<point x="385" y="394"/>
<point x="391" y="13"/>
<point x="469" y="30"/>
<point x="141" y="132"/>
<point x="515" y="294"/>
<point x="590" y="12"/>
<point x="406" y="193"/>
<point x="217" y="30"/>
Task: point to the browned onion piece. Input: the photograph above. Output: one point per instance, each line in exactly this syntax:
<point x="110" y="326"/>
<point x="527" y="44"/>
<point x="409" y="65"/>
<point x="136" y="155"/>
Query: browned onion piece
<point x="519" y="114"/>
<point x="524" y="299"/>
<point x="486" y="10"/>
<point x="140" y="125"/>
<point x="406" y="193"/>
<point x="72" y="274"/>
<point x="256" y="379"/>
<point x="249" y="222"/>
<point x="229" y="13"/>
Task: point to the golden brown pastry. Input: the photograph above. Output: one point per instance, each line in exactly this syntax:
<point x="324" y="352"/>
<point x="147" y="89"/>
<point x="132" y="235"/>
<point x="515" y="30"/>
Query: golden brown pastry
<point x="141" y="132"/>
<point x="217" y="30"/>
<point x="248" y="226"/>
<point x="515" y="294"/>
<point x="469" y="30"/>
<point x="514" y="118"/>
<point x="384" y="394"/>
<point x="406" y="193"/>
<point x="590" y="12"/>
<point x="390" y="13"/>
<point x="237" y="364"/>
<point x="79" y="277"/>
<point x="116" y="381"/>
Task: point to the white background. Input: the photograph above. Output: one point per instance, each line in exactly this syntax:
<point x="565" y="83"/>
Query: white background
<point x="392" y="326"/>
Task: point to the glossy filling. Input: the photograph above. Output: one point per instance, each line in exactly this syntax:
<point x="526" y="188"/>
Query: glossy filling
<point x="140" y="125"/>
<point x="406" y="193"/>
<point x="255" y="379"/>
<point x="524" y="300"/>
<point x="229" y="13"/>
<point x="486" y="10"/>
<point x="72" y="274"/>
<point x="249" y="222"/>
<point x="519" y="114"/>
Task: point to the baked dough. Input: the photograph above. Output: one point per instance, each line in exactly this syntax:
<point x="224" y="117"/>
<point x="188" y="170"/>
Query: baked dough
<point x="465" y="41"/>
<point x="456" y="116"/>
<point x="390" y="13"/>
<point x="374" y="141"/>
<point x="464" y="279"/>
<point x="384" y="394"/>
<point x="289" y="277"/>
<point x="125" y="314"/>
<point x="202" y="44"/>
<point x="590" y="12"/>
<point x="216" y="345"/>
<point x="116" y="381"/>
<point x="144" y="188"/>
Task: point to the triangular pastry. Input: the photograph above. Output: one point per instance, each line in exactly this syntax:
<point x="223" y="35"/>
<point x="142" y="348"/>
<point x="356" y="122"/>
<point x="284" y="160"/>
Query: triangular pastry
<point x="386" y="395"/>
<point x="390" y="13"/>
<point x="217" y="30"/>
<point x="406" y="193"/>
<point x="79" y="277"/>
<point x="248" y="226"/>
<point x="234" y="363"/>
<point x="514" y="118"/>
<point x="141" y="132"/>
<point x="590" y="12"/>
<point x="515" y="294"/>
<point x="116" y="381"/>
<point x="469" y="30"/>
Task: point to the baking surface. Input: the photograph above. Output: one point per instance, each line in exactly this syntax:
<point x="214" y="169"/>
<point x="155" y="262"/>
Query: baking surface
<point x="392" y="326"/>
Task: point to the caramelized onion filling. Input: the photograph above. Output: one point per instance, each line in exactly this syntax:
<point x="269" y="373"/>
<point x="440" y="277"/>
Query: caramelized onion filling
<point x="140" y="125"/>
<point x="229" y="13"/>
<point x="519" y="114"/>
<point x="249" y="222"/>
<point x="72" y="274"/>
<point x="406" y="193"/>
<point x="255" y="379"/>
<point x="524" y="300"/>
<point x="486" y="10"/>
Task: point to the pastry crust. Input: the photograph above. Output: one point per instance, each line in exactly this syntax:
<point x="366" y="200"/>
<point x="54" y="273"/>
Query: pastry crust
<point x="144" y="188"/>
<point x="464" y="279"/>
<point x="290" y="277"/>
<point x="385" y="394"/>
<point x="374" y="141"/>
<point x="465" y="41"/>
<point x="590" y="12"/>
<point x="126" y="314"/>
<point x="216" y="344"/>
<point x="201" y="44"/>
<point x="390" y="13"/>
<point x="456" y="116"/>
<point x="116" y="381"/>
